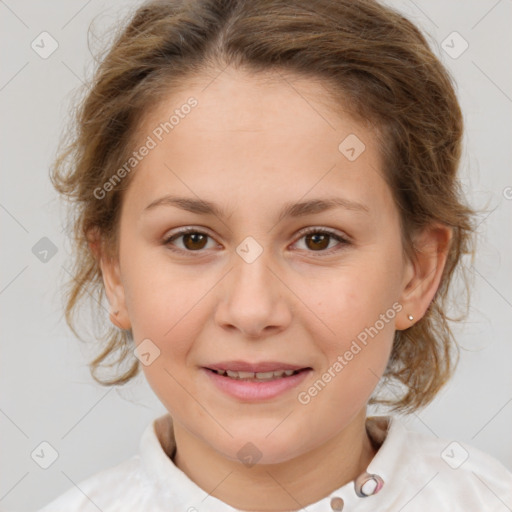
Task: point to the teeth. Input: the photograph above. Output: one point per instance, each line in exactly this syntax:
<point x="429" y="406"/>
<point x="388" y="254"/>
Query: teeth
<point x="256" y="376"/>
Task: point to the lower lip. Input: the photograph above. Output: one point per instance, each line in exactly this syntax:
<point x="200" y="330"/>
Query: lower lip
<point x="254" y="391"/>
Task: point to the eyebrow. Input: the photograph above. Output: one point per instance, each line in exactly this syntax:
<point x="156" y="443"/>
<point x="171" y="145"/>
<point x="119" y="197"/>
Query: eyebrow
<point x="202" y="207"/>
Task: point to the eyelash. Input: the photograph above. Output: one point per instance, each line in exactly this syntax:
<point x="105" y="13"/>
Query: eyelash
<point x="343" y="241"/>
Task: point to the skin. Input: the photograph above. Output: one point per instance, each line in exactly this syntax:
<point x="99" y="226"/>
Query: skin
<point x="252" y="144"/>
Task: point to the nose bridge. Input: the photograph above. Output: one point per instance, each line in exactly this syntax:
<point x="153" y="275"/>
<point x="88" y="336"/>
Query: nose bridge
<point x="254" y="261"/>
<point x="252" y="296"/>
<point x="252" y="272"/>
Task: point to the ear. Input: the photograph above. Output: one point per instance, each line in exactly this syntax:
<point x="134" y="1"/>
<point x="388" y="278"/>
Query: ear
<point x="111" y="275"/>
<point x="422" y="276"/>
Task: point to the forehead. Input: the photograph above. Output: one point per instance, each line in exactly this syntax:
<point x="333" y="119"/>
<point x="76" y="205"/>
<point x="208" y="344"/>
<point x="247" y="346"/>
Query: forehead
<point x="235" y="100"/>
<point x="270" y="135"/>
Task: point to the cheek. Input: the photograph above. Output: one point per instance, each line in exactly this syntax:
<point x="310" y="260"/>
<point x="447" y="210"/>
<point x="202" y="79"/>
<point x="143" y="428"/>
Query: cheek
<point x="154" y="291"/>
<point x="355" y="300"/>
<point x="358" y="325"/>
<point x="165" y="315"/>
<point x="167" y="306"/>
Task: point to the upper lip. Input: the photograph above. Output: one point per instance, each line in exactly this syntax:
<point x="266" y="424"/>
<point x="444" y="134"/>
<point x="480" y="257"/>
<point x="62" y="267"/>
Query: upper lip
<point x="244" y="366"/>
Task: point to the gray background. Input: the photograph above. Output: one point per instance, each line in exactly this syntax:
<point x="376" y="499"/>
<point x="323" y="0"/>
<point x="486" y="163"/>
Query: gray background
<point x="47" y="392"/>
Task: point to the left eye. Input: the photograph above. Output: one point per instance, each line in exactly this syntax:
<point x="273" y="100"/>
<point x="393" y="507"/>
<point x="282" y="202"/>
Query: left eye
<point x="193" y="240"/>
<point x="320" y="239"/>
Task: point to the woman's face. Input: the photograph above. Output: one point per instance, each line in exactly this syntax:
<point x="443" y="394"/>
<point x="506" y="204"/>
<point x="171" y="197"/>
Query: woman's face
<point x="255" y="164"/>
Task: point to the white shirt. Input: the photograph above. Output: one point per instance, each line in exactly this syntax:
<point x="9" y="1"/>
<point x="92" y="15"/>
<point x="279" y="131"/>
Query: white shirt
<point x="420" y="473"/>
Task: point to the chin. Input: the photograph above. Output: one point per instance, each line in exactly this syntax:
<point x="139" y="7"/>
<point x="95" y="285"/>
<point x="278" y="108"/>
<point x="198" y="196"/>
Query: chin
<point x="255" y="446"/>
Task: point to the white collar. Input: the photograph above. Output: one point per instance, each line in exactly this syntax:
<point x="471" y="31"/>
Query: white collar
<point x="173" y="486"/>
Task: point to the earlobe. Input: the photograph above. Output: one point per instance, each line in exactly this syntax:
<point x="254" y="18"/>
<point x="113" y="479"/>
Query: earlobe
<point x="423" y="275"/>
<point x="113" y="318"/>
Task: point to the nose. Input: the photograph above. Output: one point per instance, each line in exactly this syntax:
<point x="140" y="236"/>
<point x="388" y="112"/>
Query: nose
<point x="254" y="298"/>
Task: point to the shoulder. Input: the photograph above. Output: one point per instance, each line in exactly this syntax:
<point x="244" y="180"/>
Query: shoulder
<point x="148" y="480"/>
<point x="451" y="475"/>
<point x="102" y="490"/>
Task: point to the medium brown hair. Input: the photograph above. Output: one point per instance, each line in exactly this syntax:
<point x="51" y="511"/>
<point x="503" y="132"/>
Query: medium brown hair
<point x="373" y="60"/>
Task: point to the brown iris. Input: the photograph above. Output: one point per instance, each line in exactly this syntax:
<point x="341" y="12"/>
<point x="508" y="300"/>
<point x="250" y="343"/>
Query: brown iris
<point x="197" y="240"/>
<point x="319" y="238"/>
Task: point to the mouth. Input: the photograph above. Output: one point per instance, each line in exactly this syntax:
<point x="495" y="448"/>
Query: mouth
<point x="251" y="386"/>
<point x="257" y="376"/>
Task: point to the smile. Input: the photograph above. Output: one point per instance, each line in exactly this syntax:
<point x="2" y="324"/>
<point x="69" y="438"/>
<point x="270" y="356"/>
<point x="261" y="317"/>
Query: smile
<point x="263" y="376"/>
<point x="256" y="386"/>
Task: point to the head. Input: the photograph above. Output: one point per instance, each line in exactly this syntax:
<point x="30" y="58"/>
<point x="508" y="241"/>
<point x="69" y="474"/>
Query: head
<point x="252" y="108"/>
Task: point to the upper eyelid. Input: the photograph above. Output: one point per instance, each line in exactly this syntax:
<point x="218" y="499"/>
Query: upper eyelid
<point x="205" y="231"/>
<point x="301" y="233"/>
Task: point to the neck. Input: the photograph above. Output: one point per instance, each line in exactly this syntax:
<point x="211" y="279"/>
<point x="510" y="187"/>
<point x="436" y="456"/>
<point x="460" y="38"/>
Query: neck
<point x="289" y="485"/>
